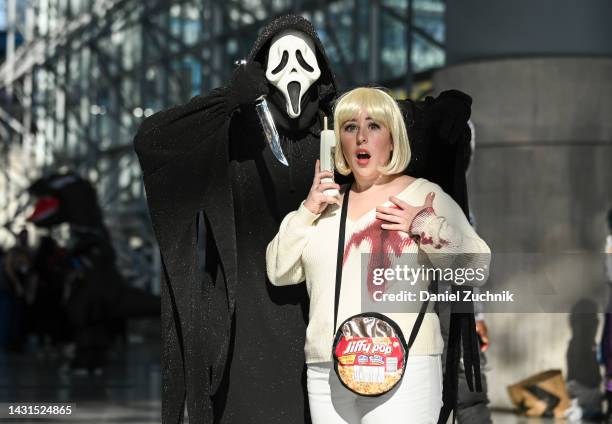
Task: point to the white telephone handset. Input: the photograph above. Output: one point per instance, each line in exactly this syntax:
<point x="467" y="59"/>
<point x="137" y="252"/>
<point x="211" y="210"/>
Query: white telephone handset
<point x="328" y="145"/>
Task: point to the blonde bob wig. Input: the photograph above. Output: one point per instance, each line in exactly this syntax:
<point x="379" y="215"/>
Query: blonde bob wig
<point x="383" y="109"/>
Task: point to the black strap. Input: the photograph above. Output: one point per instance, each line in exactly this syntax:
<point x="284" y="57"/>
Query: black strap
<point x="417" y="324"/>
<point x="340" y="256"/>
<point x="339" y="263"/>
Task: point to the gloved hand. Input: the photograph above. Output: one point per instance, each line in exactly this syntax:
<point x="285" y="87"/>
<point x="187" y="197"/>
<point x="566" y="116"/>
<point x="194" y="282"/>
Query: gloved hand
<point x="247" y="84"/>
<point x="447" y="116"/>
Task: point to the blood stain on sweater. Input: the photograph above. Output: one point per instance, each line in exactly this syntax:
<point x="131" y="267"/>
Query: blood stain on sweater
<point x="383" y="243"/>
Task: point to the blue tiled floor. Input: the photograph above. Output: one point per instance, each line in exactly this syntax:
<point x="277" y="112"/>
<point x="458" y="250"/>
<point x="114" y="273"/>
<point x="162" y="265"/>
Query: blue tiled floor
<point x="128" y="392"/>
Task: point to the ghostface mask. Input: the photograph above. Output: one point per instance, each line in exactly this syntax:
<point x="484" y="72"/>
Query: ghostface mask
<point x="292" y="67"/>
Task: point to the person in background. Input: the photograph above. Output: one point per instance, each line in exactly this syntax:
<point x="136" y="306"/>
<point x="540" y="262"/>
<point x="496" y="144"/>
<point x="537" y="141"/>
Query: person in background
<point x="22" y="288"/>
<point x="606" y="342"/>
<point x="5" y="304"/>
<point x="51" y="263"/>
<point x="609" y="247"/>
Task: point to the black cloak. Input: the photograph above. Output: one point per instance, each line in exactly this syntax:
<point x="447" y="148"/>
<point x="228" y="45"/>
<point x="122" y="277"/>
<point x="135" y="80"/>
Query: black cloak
<point x="232" y="342"/>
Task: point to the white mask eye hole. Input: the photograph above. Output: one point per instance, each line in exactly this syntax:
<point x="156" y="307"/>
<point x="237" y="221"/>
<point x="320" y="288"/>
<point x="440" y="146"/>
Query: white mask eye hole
<point x="282" y="63"/>
<point x="303" y="62"/>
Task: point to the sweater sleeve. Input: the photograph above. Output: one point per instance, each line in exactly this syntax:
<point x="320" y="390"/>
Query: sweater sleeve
<point x="449" y="240"/>
<point x="284" y="253"/>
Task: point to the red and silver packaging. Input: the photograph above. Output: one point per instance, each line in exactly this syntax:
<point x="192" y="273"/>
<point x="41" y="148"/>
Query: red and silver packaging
<point x="370" y="354"/>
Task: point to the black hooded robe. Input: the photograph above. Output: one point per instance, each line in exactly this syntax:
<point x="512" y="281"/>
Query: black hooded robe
<point x="232" y="342"/>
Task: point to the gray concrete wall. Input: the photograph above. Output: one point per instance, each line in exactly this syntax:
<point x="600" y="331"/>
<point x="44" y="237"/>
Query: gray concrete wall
<point x="543" y="127"/>
<point x="482" y="29"/>
<point x="541" y="181"/>
<point x="539" y="99"/>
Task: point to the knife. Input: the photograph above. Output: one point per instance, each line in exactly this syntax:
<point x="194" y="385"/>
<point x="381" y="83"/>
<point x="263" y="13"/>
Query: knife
<point x="268" y="126"/>
<point x="269" y="129"/>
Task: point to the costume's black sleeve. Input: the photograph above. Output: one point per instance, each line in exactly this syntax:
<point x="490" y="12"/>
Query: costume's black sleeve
<point x="439" y="137"/>
<point x="439" y="156"/>
<point x="183" y="155"/>
<point x="190" y="132"/>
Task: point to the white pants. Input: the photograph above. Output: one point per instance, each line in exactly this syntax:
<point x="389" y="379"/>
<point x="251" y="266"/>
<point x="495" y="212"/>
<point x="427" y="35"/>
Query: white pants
<point x="416" y="400"/>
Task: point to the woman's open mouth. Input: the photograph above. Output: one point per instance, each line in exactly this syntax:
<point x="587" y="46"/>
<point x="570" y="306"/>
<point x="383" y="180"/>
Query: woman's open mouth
<point x="363" y="157"/>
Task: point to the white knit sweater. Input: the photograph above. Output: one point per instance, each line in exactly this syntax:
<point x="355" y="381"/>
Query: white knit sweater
<point x="305" y="248"/>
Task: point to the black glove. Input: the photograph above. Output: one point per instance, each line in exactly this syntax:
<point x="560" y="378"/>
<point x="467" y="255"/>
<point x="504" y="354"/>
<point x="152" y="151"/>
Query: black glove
<point x="448" y="114"/>
<point x="248" y="83"/>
